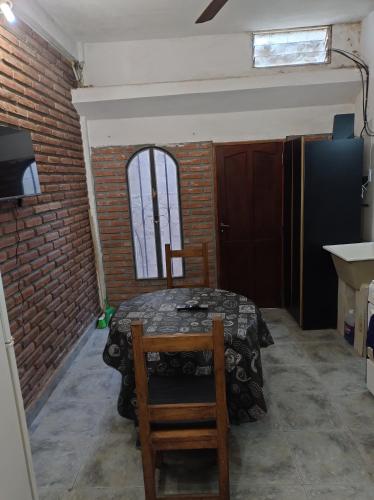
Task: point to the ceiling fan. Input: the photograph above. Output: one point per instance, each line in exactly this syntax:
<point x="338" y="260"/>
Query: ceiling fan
<point x="211" y="11"/>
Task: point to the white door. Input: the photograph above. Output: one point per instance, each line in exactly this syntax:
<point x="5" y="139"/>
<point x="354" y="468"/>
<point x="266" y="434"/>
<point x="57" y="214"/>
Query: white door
<point x="16" y="474"/>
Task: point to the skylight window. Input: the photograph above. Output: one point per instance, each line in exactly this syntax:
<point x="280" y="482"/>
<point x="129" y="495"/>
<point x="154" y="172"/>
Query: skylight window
<point x="294" y="47"/>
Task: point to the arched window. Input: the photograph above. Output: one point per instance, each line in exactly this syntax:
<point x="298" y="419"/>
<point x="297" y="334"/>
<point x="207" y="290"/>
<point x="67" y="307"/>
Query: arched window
<point x="152" y="176"/>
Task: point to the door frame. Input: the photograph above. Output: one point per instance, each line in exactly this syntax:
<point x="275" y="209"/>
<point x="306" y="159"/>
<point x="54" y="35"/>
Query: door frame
<point x="216" y="204"/>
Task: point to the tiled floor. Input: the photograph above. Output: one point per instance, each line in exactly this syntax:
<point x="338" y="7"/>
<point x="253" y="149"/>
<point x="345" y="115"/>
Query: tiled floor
<point x="317" y="441"/>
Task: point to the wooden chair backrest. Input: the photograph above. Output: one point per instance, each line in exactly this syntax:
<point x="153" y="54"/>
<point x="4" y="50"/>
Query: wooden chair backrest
<point x="193" y="251"/>
<point x="179" y="342"/>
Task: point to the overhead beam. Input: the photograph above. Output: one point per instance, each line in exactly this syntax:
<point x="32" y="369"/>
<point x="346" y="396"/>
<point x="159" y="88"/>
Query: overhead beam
<point x="308" y="88"/>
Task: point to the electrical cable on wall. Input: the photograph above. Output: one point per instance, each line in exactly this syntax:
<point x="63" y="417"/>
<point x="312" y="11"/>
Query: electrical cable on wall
<point x="363" y="68"/>
<point x="18" y="280"/>
<point x="78" y="67"/>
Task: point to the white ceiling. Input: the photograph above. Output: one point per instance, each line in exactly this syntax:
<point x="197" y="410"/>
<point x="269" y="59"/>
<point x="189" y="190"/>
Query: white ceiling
<point x="114" y="20"/>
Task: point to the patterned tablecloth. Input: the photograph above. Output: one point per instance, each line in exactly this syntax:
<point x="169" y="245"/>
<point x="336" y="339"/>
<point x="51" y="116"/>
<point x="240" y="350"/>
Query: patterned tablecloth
<point x="245" y="333"/>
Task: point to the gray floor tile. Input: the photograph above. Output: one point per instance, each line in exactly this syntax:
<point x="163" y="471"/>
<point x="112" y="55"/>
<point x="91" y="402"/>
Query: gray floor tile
<point x="284" y="354"/>
<point x="310" y="410"/>
<point x="327" y="457"/>
<point x="329" y="352"/>
<point x="186" y="480"/>
<point x="261" y="456"/>
<point x="282" y="333"/>
<point x="95" y="385"/>
<point x="112" y="423"/>
<point x="97" y="340"/>
<point x="48" y="493"/>
<point x="57" y="463"/>
<point x="60" y="419"/>
<point x="365" y="441"/>
<point x="274" y="492"/>
<point x="89" y="361"/>
<point x="193" y="471"/>
<point x="356" y="409"/>
<point x="270" y="420"/>
<point x="105" y="494"/>
<point x="344" y="378"/>
<point x="278" y="316"/>
<point x="113" y="461"/>
<point x="283" y="379"/>
<point x="361" y="491"/>
<point x="314" y="336"/>
<point x="90" y="357"/>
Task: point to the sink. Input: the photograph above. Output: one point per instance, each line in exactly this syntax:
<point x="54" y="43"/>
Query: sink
<point x="354" y="262"/>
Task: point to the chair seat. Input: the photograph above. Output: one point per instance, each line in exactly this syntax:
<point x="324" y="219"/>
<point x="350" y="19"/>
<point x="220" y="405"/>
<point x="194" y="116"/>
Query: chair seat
<point x="188" y="389"/>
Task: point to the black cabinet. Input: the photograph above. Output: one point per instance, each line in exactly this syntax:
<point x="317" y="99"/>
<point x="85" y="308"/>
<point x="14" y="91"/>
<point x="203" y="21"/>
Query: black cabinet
<point x="322" y="206"/>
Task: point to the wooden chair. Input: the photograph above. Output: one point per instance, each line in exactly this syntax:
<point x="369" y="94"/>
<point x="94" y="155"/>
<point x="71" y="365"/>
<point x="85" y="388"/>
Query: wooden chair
<point x="158" y="423"/>
<point x="193" y="251"/>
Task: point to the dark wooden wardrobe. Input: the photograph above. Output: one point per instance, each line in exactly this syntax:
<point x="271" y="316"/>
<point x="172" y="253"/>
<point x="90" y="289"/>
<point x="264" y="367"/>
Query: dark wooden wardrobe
<point x="322" y="206"/>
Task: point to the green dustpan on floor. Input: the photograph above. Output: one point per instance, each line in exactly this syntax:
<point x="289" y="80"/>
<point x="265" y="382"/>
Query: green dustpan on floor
<point x="106" y="316"/>
<point x="101" y="322"/>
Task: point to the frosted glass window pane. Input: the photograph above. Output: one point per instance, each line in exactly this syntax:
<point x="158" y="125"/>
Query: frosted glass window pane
<point x="141" y="205"/>
<point x="168" y="207"/>
<point x="155" y="212"/>
<point x="291" y="47"/>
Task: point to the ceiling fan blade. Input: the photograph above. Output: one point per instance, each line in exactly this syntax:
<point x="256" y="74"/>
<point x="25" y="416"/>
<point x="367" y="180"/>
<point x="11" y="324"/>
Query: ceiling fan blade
<point x="211" y="11"/>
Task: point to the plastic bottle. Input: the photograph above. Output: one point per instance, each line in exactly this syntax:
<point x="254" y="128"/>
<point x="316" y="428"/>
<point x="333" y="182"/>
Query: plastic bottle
<point x="349" y="327"/>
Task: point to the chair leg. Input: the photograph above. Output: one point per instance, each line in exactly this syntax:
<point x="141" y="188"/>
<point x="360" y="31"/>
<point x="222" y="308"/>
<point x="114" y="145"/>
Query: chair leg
<point x="223" y="471"/>
<point x="149" y="473"/>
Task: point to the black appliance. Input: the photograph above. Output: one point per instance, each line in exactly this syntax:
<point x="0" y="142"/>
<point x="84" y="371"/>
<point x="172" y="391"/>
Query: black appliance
<point x="322" y="206"/>
<point x="18" y="171"/>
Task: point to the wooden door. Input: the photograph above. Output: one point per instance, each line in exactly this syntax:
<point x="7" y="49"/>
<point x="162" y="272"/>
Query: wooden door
<point x="249" y="186"/>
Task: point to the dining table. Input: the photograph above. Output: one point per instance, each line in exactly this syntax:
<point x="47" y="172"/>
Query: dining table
<point x="245" y="334"/>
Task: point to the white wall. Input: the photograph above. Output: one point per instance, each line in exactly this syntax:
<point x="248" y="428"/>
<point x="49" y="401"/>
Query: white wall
<point x="192" y="58"/>
<point x="367" y="52"/>
<point x="223" y="127"/>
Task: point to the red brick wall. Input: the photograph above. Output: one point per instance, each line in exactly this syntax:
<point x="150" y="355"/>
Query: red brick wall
<point x="195" y="162"/>
<point x="46" y="253"/>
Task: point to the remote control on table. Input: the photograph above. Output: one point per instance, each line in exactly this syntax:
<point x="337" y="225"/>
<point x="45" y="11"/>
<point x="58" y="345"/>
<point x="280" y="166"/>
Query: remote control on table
<point x="192" y="307"/>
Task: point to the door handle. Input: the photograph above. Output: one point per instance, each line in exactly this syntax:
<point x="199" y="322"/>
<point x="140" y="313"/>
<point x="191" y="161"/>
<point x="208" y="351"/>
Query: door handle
<point x="224" y="226"/>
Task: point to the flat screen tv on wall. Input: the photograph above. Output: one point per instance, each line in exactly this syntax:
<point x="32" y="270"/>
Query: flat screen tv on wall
<point x="18" y="172"/>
